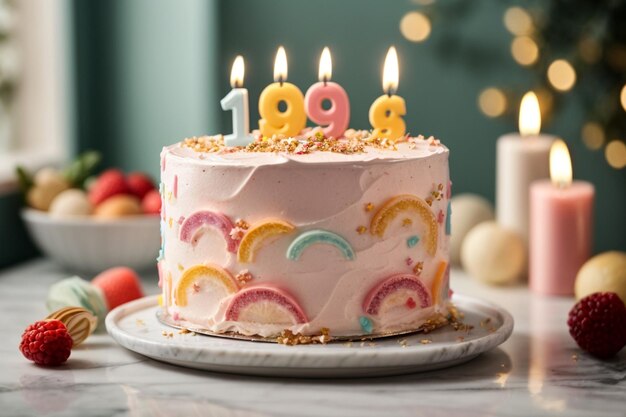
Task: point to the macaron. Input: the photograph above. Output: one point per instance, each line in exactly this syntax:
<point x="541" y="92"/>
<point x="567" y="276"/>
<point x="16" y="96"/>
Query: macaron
<point x="76" y="292"/>
<point x="119" y="285"/>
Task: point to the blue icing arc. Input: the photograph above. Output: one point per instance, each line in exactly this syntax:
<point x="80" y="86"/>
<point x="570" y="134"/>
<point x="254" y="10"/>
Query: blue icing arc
<point x="319" y="236"/>
<point x="366" y="324"/>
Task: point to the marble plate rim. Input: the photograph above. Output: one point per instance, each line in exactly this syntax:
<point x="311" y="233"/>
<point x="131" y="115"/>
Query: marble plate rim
<point x="237" y="355"/>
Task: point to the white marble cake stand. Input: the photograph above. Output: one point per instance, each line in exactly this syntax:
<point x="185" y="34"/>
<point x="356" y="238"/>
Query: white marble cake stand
<point x="135" y="326"/>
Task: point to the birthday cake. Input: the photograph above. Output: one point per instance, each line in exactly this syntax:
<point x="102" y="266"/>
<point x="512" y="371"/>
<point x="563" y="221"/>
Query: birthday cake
<point x="306" y="236"/>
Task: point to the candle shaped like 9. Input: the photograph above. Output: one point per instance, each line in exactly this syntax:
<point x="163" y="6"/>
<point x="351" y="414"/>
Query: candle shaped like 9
<point x="337" y="117"/>
<point x="237" y="101"/>
<point x="387" y="110"/>
<point x="560" y="226"/>
<point x="521" y="159"/>
<point x="273" y="121"/>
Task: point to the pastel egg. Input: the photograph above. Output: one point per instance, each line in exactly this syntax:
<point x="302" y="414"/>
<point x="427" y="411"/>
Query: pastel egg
<point x="493" y="254"/>
<point x="48" y="183"/>
<point x="468" y="210"/>
<point x="70" y="203"/>
<point x="118" y="206"/>
<point x="605" y="272"/>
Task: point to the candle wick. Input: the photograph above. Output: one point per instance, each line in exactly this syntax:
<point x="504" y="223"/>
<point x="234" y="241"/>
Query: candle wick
<point x="325" y="81"/>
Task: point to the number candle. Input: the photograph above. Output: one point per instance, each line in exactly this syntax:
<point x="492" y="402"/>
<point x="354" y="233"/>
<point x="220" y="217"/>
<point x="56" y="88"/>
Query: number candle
<point x="337" y="117"/>
<point x="237" y="101"/>
<point x="273" y="121"/>
<point x="521" y="159"/>
<point x="387" y="111"/>
<point x="561" y="213"/>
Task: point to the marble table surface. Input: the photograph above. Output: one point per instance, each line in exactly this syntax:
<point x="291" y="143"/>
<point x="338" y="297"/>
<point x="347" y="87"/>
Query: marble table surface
<point x="538" y="371"/>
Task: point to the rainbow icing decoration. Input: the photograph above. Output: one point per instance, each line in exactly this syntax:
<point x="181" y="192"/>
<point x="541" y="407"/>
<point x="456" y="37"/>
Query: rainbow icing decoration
<point x="319" y="236"/>
<point x="201" y="219"/>
<point x="439" y="288"/>
<point x="265" y="305"/>
<point x="403" y="203"/>
<point x="260" y="235"/>
<point x="209" y="273"/>
<point x="397" y="290"/>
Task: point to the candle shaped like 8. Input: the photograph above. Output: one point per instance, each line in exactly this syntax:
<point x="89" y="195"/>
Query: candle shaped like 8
<point x="337" y="117"/>
<point x="273" y="121"/>
<point x="237" y="101"/>
<point x="521" y="159"/>
<point x="561" y="226"/>
<point x="387" y="110"/>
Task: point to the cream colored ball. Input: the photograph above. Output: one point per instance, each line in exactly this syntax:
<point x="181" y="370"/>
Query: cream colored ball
<point x="118" y="206"/>
<point x="70" y="203"/>
<point x="605" y="272"/>
<point x="468" y="210"/>
<point x="493" y="254"/>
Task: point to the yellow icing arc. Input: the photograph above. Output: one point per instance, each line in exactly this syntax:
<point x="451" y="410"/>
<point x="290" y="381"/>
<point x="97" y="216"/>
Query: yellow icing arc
<point x="438" y="281"/>
<point x="254" y="238"/>
<point x="203" y="272"/>
<point x="407" y="203"/>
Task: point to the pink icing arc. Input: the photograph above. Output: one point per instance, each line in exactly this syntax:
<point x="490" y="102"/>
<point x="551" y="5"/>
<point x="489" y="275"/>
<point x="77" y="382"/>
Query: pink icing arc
<point x="255" y="294"/>
<point x="375" y="297"/>
<point x="175" y="187"/>
<point x="200" y="219"/>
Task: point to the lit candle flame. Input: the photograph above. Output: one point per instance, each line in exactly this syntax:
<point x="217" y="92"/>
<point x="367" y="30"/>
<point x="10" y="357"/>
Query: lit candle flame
<point x="280" y="66"/>
<point x="391" y="72"/>
<point x="237" y="72"/>
<point x="326" y="66"/>
<point x="560" y="164"/>
<point x="529" y="115"/>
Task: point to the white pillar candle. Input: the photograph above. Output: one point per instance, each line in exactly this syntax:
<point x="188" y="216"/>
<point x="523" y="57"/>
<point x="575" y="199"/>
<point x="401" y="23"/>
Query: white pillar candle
<point x="237" y="101"/>
<point x="521" y="159"/>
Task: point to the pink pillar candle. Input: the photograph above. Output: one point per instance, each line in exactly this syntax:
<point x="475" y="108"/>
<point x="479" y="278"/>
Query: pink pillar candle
<point x="560" y="235"/>
<point x="335" y="120"/>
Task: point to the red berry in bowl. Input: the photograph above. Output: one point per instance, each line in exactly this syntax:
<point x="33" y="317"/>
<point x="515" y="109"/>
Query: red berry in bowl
<point x="151" y="203"/>
<point x="598" y="324"/>
<point x="139" y="184"/>
<point x="46" y="342"/>
<point x="108" y="184"/>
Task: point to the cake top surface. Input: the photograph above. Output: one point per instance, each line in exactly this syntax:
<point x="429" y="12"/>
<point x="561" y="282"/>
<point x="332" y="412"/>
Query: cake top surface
<point x="310" y="147"/>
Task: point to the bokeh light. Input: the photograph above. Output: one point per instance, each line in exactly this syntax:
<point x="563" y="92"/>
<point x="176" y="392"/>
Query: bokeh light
<point x="415" y="26"/>
<point x="615" y="154"/>
<point x="561" y="75"/>
<point x="622" y="97"/>
<point x="492" y="102"/>
<point x="518" y="21"/>
<point x="593" y="135"/>
<point x="524" y="50"/>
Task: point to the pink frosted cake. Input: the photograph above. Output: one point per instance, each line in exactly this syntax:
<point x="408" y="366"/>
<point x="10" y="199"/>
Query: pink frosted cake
<point x="305" y="235"/>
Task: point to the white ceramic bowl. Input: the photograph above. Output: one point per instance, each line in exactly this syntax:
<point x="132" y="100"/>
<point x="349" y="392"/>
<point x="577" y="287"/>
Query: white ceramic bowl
<point x="84" y="244"/>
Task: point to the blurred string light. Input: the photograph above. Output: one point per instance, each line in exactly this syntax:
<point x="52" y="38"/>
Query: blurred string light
<point x="415" y="26"/>
<point x="518" y="21"/>
<point x="525" y="50"/>
<point x="492" y="102"/>
<point x="593" y="135"/>
<point x="561" y="75"/>
<point x="615" y="154"/>
<point x="623" y="97"/>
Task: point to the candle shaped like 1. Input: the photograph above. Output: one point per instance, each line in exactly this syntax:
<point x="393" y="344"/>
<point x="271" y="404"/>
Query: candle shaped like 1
<point x="521" y="159"/>
<point x="237" y="101"/>
<point x="387" y="110"/>
<point x="337" y="117"/>
<point x="561" y="213"/>
<point x="273" y="121"/>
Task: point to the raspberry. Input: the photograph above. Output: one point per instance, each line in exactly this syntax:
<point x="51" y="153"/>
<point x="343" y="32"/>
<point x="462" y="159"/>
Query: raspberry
<point x="598" y="324"/>
<point x="151" y="203"/>
<point x="46" y="342"/>
<point x="108" y="184"/>
<point x="139" y="184"/>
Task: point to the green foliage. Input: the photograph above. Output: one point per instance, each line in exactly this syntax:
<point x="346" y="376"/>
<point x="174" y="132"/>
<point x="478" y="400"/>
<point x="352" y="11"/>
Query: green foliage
<point x="81" y="168"/>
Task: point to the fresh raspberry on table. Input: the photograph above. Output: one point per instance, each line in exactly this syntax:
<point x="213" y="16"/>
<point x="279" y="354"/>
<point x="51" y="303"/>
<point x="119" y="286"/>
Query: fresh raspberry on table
<point x="151" y="203"/>
<point x="108" y="184"/>
<point x="598" y="324"/>
<point x="46" y="342"/>
<point x="139" y="184"/>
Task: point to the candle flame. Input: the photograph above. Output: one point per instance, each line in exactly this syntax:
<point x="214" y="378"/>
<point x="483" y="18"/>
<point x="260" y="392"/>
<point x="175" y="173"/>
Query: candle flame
<point x="326" y="66"/>
<point x="237" y="72"/>
<point x="529" y="115"/>
<point x="560" y="164"/>
<point x="280" y="65"/>
<point x="391" y="72"/>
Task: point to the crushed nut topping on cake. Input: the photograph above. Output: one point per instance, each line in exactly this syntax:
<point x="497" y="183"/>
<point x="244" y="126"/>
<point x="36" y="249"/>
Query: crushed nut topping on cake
<point x="288" y="338"/>
<point x="310" y="140"/>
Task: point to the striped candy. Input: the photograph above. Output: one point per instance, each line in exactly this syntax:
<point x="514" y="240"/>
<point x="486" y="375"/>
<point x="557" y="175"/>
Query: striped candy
<point x="80" y="323"/>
